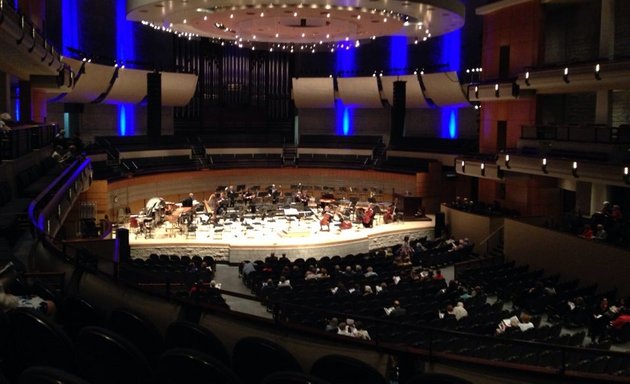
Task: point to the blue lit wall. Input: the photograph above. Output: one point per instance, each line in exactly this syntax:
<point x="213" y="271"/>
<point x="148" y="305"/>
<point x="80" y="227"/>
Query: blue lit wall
<point x="69" y="25"/>
<point x="398" y="55"/>
<point x="344" y="65"/>
<point x="125" y="51"/>
<point x="18" y="113"/>
<point x="451" y="56"/>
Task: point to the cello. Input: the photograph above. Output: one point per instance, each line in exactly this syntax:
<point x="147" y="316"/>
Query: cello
<point x="325" y="220"/>
<point x="368" y="217"/>
<point x="390" y="214"/>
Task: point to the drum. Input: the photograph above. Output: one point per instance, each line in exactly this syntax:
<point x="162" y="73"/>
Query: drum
<point x="133" y="221"/>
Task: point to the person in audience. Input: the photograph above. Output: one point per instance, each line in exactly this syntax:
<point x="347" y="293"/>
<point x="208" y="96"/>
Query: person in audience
<point x="248" y="267"/>
<point x="9" y="301"/>
<point x="459" y="311"/>
<point x="587" y="233"/>
<point x="368" y="291"/>
<point x="356" y="330"/>
<point x="600" y="318"/>
<point x="342" y="329"/>
<point x="438" y="275"/>
<point x="616" y="213"/>
<point x="600" y="233"/>
<point x="525" y="322"/>
<point x="395" y="310"/>
<point x="448" y="312"/>
<point x="370" y="272"/>
<point x="507" y="325"/>
<point x="284" y="283"/>
<point x="332" y="325"/>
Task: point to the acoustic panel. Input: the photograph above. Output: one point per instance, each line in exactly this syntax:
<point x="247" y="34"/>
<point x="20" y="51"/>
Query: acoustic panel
<point x="177" y="88"/>
<point x="90" y="84"/>
<point x="444" y="90"/>
<point x="129" y="87"/>
<point x="359" y="92"/>
<point x="414" y="97"/>
<point x="313" y="92"/>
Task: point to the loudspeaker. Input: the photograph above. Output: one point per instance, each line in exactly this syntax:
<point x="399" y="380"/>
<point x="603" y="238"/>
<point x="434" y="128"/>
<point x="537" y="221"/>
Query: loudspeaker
<point x="154" y="104"/>
<point x="397" y="128"/>
<point x="440" y="224"/>
<point x="124" y="251"/>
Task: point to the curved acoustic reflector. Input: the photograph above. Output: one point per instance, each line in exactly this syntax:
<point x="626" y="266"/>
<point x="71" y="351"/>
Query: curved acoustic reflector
<point x="313" y="92"/>
<point x="413" y="96"/>
<point x="444" y="90"/>
<point x="359" y="92"/>
<point x="177" y="88"/>
<point x="129" y="87"/>
<point x="90" y="84"/>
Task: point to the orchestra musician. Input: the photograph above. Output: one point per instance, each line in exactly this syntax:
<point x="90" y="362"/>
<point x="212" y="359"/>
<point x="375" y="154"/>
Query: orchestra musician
<point x="274" y="193"/>
<point x="231" y="195"/>
<point x="390" y="215"/>
<point x="326" y="218"/>
<point x="368" y="217"/>
<point x="302" y="198"/>
<point x="249" y="197"/>
<point x="189" y="201"/>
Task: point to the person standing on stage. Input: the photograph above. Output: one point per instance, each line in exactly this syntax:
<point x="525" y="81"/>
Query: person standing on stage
<point x="231" y="195"/>
<point x="274" y="193"/>
<point x="188" y="202"/>
<point x="250" y="199"/>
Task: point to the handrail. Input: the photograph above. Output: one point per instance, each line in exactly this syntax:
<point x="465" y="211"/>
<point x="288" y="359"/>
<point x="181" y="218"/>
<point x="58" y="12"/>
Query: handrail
<point x="486" y="239"/>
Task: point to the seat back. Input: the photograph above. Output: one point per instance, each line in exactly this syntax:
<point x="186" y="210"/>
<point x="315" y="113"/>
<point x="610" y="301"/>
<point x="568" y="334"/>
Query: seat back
<point x="139" y="330"/>
<point x="288" y="377"/>
<point x="182" y="365"/>
<point x="105" y="356"/>
<point x="186" y="334"/>
<point x="38" y="340"/>
<point x="254" y="358"/>
<point x="48" y="375"/>
<point x="339" y="369"/>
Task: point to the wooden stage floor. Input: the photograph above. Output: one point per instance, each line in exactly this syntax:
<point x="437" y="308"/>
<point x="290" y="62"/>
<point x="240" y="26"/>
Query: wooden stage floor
<point x="256" y="238"/>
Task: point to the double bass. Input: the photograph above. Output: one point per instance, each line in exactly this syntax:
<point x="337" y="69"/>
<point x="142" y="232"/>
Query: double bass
<point x="368" y="217"/>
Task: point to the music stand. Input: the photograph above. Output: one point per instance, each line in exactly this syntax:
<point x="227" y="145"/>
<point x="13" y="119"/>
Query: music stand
<point x="240" y="188"/>
<point x="220" y="188"/>
<point x="256" y="188"/>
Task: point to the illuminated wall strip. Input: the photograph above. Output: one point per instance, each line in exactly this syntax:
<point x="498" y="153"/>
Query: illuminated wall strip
<point x="398" y="55"/>
<point x="125" y="51"/>
<point x="451" y="56"/>
<point x="69" y="26"/>
<point x="344" y="65"/>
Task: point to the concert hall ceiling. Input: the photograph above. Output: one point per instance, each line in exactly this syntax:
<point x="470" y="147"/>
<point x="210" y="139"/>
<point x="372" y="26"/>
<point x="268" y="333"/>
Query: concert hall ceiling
<point x="312" y="24"/>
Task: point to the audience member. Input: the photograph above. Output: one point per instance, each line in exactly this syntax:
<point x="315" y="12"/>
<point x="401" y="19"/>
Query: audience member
<point x="395" y="310"/>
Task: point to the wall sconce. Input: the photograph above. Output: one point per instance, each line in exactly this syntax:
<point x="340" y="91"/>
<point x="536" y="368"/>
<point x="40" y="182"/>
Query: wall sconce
<point x="574" y="169"/>
<point x="483" y="169"/>
<point x="626" y="176"/>
<point x="496" y="90"/>
<point x="463" y="166"/>
<point x="597" y="76"/>
<point x="544" y="165"/>
<point x="565" y="75"/>
<point x="527" y="79"/>
<point x="476" y="92"/>
<point x="507" y="161"/>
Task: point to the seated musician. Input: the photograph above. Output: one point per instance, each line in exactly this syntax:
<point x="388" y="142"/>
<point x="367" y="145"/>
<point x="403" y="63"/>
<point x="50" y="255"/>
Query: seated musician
<point x="274" y="193"/>
<point x="368" y="217"/>
<point x="250" y="199"/>
<point x="189" y="201"/>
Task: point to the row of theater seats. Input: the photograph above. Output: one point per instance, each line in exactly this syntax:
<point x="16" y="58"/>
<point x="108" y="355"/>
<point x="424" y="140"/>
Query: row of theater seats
<point x="128" y="348"/>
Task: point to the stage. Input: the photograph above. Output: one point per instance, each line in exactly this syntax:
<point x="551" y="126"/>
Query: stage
<point x="256" y="238"/>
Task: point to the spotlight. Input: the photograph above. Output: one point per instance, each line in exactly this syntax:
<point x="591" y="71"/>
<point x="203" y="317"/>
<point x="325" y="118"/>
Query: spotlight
<point x="476" y="91"/>
<point x="544" y="165"/>
<point x="496" y="90"/>
<point x="463" y="166"/>
<point x="483" y="169"/>
<point x="527" y="78"/>
<point x="565" y="75"/>
<point x="507" y="161"/>
<point x="597" y="76"/>
<point x="574" y="169"/>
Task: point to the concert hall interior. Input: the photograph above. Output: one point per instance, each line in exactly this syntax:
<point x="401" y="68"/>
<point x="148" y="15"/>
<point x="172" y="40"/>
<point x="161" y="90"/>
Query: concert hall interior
<point x="383" y="191"/>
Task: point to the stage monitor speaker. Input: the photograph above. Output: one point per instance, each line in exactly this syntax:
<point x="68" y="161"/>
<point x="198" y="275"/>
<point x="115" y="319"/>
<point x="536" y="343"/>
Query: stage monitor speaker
<point x="440" y="224"/>
<point x="124" y="251"/>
